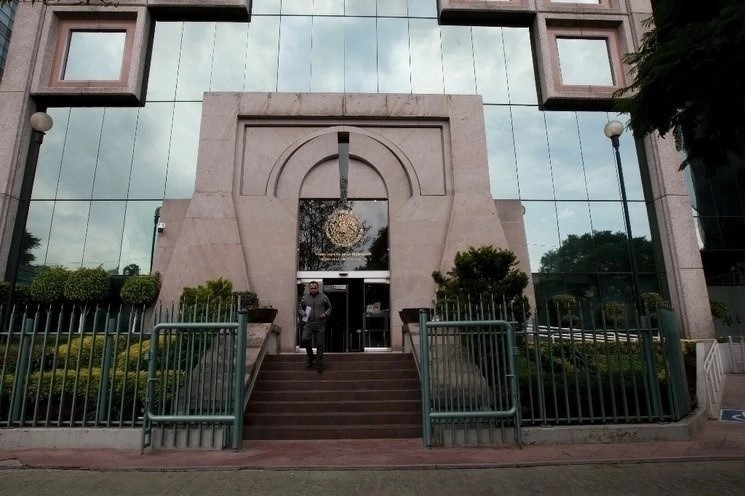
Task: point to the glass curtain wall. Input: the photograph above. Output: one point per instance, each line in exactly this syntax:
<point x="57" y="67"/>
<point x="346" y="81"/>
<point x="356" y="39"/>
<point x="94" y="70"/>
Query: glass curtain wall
<point x="104" y="171"/>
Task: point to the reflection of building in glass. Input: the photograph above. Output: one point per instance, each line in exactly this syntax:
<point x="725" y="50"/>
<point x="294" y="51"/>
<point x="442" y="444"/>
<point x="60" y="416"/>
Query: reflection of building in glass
<point x="117" y="152"/>
<point x="7" y="13"/>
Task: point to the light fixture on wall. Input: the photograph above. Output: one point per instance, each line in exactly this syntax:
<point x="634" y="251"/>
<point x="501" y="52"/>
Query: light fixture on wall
<point x="40" y="122"/>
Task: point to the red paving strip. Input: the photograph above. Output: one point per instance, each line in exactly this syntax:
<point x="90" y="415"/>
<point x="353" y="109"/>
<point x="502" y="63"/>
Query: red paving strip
<point x="717" y="440"/>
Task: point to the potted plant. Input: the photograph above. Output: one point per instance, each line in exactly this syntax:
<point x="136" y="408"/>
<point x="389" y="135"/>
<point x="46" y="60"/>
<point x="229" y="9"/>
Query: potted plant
<point x="255" y="312"/>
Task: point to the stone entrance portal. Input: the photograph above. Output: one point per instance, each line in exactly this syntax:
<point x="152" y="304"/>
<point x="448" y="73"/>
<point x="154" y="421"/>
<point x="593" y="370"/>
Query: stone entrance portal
<point x="261" y="153"/>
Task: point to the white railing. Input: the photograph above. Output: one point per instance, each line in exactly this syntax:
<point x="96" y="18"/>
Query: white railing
<point x="713" y="378"/>
<point x="736" y="348"/>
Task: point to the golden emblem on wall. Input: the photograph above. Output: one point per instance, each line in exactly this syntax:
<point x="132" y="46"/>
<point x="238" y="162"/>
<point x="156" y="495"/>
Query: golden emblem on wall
<point x="343" y="228"/>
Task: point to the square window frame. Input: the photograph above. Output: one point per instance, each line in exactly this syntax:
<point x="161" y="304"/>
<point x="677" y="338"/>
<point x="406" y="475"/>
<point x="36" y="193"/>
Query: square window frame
<point x="553" y="94"/>
<point x="65" y="30"/>
<point x="49" y="87"/>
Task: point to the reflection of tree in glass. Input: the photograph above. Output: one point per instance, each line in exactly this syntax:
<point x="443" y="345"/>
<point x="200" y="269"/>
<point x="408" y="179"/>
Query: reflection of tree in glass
<point x="378" y="257"/>
<point x="29" y="243"/>
<point x="313" y="240"/>
<point x="599" y="251"/>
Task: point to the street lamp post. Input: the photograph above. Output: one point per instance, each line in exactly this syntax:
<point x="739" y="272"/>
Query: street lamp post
<point x="41" y="122"/>
<point x="613" y="130"/>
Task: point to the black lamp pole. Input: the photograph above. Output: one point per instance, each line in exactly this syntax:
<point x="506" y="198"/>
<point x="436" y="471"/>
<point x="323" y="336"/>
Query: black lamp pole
<point x="613" y="130"/>
<point x="40" y="123"/>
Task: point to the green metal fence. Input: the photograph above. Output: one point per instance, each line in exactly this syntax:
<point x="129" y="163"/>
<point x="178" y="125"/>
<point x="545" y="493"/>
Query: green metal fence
<point x="195" y="390"/>
<point x="572" y="375"/>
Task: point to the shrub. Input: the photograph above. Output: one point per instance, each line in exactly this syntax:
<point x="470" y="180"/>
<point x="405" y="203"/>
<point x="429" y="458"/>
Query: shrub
<point x="722" y="312"/>
<point x="207" y="302"/>
<point x="564" y="306"/>
<point x="615" y="313"/>
<point x="141" y="289"/>
<point x="86" y="286"/>
<point x="49" y="284"/>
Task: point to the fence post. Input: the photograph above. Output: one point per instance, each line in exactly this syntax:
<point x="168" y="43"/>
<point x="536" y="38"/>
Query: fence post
<point x="19" y="386"/>
<point x="424" y="361"/>
<point x="240" y="374"/>
<point x="103" y="391"/>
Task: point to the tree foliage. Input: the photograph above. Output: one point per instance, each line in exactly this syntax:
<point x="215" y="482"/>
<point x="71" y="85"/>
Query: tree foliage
<point x="482" y="271"/>
<point x="689" y="79"/>
<point x="598" y="251"/>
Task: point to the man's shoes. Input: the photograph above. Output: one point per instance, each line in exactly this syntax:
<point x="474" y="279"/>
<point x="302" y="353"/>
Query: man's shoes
<point x="320" y="366"/>
<point x="309" y="361"/>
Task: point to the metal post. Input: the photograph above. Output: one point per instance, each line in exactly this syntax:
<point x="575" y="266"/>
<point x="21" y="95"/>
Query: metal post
<point x="240" y="374"/>
<point x="19" y="227"/>
<point x="155" y="233"/>
<point x="424" y="364"/>
<point x="645" y="334"/>
<point x="629" y="236"/>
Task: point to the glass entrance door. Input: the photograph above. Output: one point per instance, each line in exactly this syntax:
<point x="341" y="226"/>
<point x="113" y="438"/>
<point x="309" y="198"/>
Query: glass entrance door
<point x="376" y="333"/>
<point x="360" y="316"/>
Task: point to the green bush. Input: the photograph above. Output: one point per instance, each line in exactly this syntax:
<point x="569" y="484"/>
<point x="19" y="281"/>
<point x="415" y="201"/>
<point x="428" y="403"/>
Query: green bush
<point x="86" y="286"/>
<point x="722" y="312"/>
<point x="49" y="284"/>
<point x="141" y="289"/>
<point x="615" y="313"/>
<point x="208" y="302"/>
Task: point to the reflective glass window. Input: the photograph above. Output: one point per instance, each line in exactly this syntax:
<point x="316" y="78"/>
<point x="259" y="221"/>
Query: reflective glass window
<point x="50" y="155"/>
<point x="336" y="235"/>
<point x="531" y="152"/>
<point x="163" y="64"/>
<point x="360" y="7"/>
<point x="182" y="153"/>
<point x="518" y="55"/>
<point x="426" y="59"/>
<point x="139" y="234"/>
<point x="229" y="60"/>
<point x="565" y="151"/>
<point x="500" y="145"/>
<point x="393" y="56"/>
<point x="597" y="155"/>
<point x="294" y="54"/>
<point x="39" y="225"/>
<point x="67" y="233"/>
<point x="95" y="56"/>
<point x="575" y="231"/>
<point x="266" y="6"/>
<point x="105" y="222"/>
<point x="422" y="8"/>
<point x="542" y="232"/>
<point x="328" y="7"/>
<point x="195" y="60"/>
<point x="584" y="61"/>
<point x="80" y="153"/>
<point x="491" y="74"/>
<point x="114" y="162"/>
<point x="361" y="55"/>
<point x="297" y="7"/>
<point x="327" y="60"/>
<point x="457" y="60"/>
<point x="152" y="143"/>
<point x="393" y="8"/>
<point x="262" y="59"/>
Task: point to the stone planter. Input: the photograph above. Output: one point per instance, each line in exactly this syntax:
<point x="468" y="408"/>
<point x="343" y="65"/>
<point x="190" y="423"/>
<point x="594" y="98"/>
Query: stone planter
<point x="411" y="315"/>
<point x="265" y="315"/>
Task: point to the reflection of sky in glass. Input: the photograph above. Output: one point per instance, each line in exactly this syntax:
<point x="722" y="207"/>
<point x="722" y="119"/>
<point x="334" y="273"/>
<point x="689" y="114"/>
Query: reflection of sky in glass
<point x="149" y="153"/>
<point x="584" y="62"/>
<point x="95" y="56"/>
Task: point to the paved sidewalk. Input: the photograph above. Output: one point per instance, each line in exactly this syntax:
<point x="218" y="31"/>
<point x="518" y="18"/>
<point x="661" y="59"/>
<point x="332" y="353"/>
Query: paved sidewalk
<point x="716" y="440"/>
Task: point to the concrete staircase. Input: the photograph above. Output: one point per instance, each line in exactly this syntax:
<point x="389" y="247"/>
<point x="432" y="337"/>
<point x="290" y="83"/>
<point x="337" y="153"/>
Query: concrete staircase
<point x="358" y="396"/>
